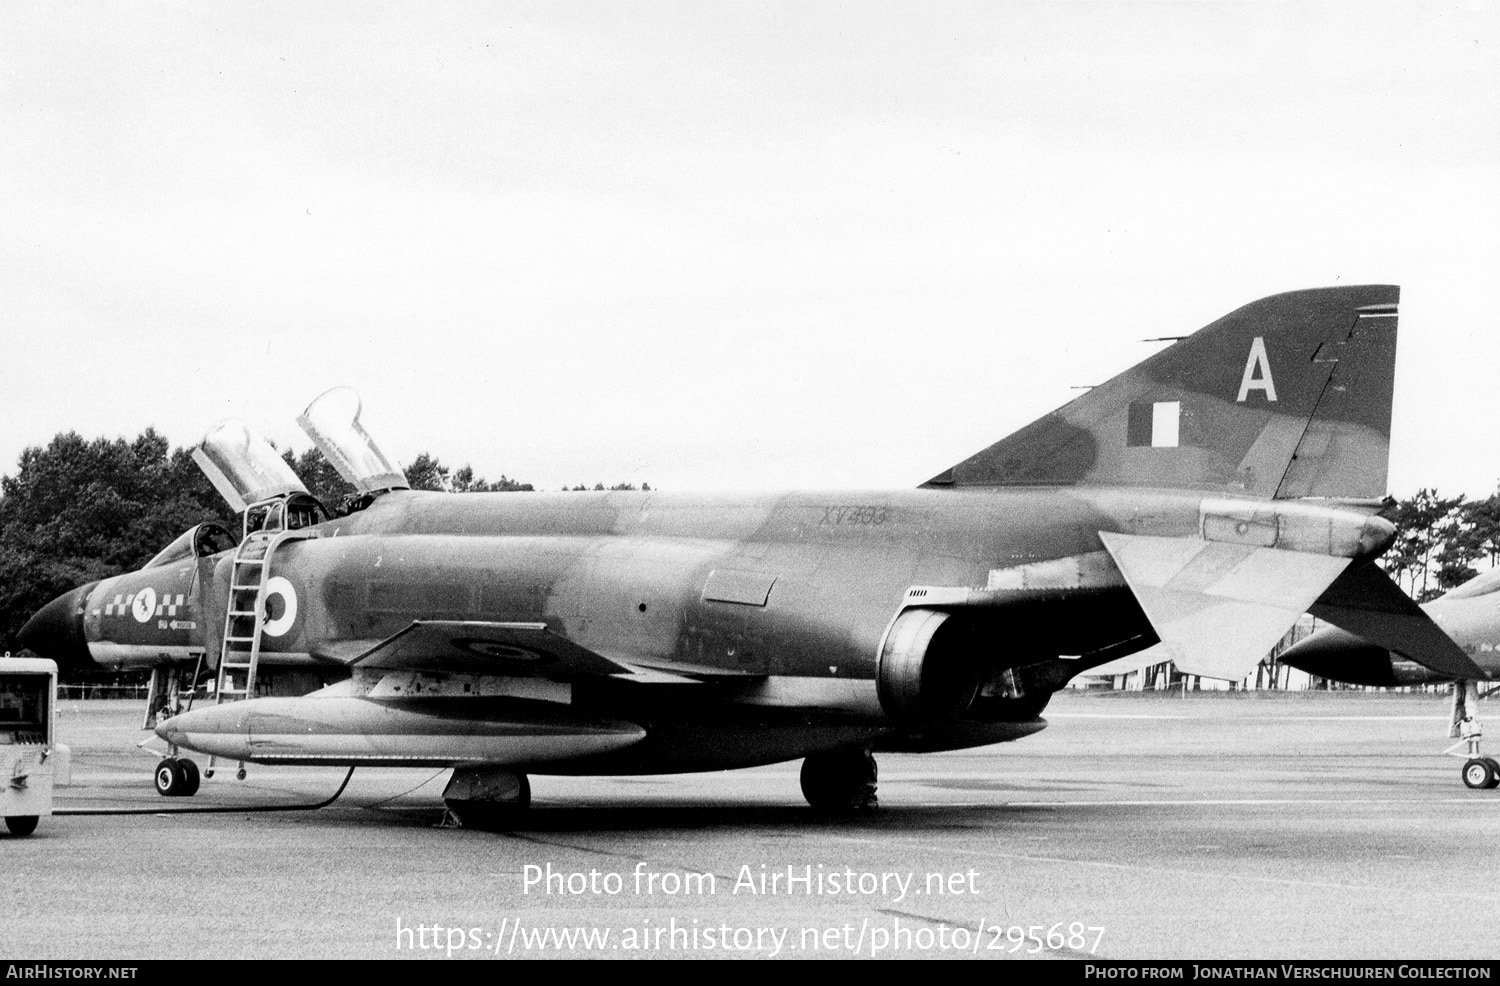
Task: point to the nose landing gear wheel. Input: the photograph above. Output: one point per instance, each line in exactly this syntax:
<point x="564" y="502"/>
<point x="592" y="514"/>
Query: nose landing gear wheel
<point x="1480" y="773"/>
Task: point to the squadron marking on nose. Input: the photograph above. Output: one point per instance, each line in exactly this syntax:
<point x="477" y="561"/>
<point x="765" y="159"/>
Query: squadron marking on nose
<point x="143" y="606"/>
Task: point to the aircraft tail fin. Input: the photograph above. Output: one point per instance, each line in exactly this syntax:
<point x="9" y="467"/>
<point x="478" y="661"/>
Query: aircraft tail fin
<point x="1289" y="396"/>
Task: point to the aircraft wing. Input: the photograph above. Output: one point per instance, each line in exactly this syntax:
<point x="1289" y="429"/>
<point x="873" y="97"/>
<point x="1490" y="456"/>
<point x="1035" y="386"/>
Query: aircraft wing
<point x="1218" y="607"/>
<point x="527" y="650"/>
<point x="1364" y="601"/>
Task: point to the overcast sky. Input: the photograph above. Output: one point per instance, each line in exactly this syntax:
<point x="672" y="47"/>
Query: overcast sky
<point x="715" y="245"/>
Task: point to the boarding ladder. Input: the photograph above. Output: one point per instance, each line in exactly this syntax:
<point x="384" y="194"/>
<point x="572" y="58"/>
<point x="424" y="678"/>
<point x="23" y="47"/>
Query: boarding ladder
<point x="245" y="617"/>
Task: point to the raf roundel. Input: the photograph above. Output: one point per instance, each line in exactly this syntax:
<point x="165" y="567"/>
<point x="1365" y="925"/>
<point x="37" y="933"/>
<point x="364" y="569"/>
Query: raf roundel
<point x="279" y="586"/>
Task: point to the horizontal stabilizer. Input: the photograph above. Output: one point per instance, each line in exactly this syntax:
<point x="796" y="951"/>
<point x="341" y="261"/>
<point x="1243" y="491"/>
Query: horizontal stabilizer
<point x="1364" y="601"/>
<point x="1151" y="656"/>
<point x="476" y="647"/>
<point x="1219" y="608"/>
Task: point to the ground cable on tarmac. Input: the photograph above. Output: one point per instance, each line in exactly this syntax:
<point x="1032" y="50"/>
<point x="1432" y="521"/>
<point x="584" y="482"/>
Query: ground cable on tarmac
<point x="216" y="809"/>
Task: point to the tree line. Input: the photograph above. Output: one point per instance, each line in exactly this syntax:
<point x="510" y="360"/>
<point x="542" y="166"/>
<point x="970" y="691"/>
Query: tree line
<point x="1441" y="542"/>
<point x="78" y="510"/>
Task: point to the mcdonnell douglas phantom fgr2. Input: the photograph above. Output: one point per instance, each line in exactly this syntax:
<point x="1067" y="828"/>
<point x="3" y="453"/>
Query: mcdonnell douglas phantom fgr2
<point x="1203" y="499"/>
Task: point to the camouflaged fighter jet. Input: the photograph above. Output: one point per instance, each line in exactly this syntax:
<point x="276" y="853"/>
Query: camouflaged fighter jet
<point x="1203" y="499"/>
<point x="1470" y="616"/>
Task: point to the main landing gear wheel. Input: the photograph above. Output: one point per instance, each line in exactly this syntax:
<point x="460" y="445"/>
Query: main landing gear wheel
<point x="840" y="781"/>
<point x="176" y="778"/>
<point x="1480" y="773"/>
<point x="488" y="799"/>
<point x="21" y="824"/>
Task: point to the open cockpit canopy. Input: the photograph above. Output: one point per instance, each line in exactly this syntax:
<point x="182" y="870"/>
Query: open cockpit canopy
<point x="332" y="422"/>
<point x="243" y="466"/>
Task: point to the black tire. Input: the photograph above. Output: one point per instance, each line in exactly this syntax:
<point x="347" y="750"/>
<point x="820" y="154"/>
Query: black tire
<point x="21" y="824"/>
<point x="1494" y="773"/>
<point x="839" y="781"/>
<point x="190" y="777"/>
<point x="493" y="816"/>
<point x="1478" y="773"/>
<point x="168" y="778"/>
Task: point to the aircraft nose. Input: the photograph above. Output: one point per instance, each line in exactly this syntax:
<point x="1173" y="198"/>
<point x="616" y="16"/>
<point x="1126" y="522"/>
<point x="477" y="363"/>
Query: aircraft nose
<point x="56" y="630"/>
